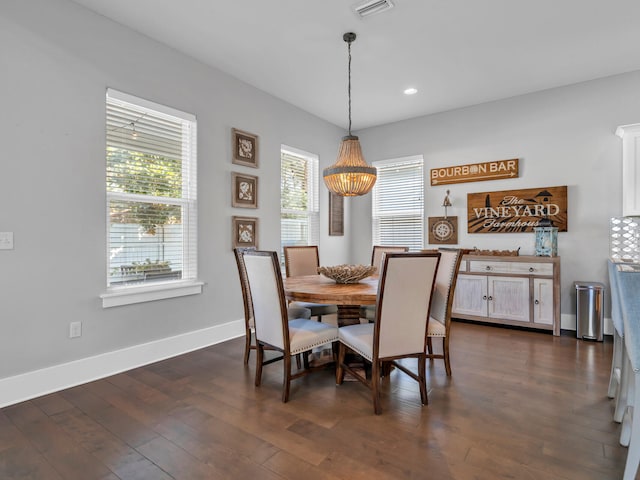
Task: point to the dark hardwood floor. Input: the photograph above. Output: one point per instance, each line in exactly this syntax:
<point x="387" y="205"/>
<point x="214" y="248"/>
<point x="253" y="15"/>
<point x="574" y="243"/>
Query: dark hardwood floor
<point x="520" y="405"/>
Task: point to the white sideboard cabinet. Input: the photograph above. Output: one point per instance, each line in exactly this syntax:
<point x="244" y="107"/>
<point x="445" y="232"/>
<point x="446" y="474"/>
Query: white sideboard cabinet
<point x="522" y="291"/>
<point x="630" y="135"/>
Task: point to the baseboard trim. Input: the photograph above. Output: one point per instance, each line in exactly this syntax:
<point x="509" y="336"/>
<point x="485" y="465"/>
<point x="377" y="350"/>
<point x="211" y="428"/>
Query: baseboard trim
<point x="52" y="379"/>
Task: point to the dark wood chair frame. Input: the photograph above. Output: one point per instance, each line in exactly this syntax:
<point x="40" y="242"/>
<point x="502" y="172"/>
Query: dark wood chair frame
<point x="379" y="365"/>
<point x="447" y="325"/>
<point x="262" y="346"/>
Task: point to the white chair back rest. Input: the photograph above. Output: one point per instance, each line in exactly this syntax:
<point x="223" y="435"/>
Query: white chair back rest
<point x="404" y="296"/>
<point x="246" y="292"/>
<point x="377" y="255"/>
<point x="447" y="272"/>
<point x="301" y="260"/>
<point x="616" y="310"/>
<point x="267" y="293"/>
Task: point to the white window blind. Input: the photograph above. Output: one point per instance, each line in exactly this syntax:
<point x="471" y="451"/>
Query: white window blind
<point x="299" y="207"/>
<point x="398" y="203"/>
<point x="151" y="193"/>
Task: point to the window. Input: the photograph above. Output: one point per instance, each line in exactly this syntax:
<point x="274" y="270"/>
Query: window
<point x="299" y="211"/>
<point x="398" y="203"/>
<point x="151" y="201"/>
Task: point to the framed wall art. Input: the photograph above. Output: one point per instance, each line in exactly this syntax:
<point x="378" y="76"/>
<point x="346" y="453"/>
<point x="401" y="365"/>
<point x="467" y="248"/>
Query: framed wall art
<point x="245" y="232"/>
<point x="336" y="215"/>
<point x="245" y="148"/>
<point x="244" y="190"/>
<point x="443" y="230"/>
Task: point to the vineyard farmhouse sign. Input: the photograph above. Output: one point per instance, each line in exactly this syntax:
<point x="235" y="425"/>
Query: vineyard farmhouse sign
<point x="475" y="172"/>
<point x="516" y="211"/>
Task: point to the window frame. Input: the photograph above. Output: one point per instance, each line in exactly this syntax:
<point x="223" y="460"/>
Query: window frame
<point x="126" y="294"/>
<point x="313" y="202"/>
<point x="417" y="213"/>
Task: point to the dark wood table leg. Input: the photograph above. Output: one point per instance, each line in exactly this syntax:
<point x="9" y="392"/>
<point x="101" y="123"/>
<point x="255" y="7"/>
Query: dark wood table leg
<point x="348" y="315"/>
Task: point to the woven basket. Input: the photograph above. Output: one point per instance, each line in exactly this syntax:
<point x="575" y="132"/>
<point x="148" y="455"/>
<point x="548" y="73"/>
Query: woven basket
<point x="347" y="273"/>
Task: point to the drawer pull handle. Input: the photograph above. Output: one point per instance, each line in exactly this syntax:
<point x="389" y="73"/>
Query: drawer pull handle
<point x="488" y="267"/>
<point x="536" y="302"/>
<point x="490" y="298"/>
<point x="531" y="269"/>
<point x="484" y="297"/>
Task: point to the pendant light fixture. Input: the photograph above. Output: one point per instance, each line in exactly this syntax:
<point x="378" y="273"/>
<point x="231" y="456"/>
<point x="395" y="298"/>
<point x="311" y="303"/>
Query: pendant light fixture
<point x="350" y="176"/>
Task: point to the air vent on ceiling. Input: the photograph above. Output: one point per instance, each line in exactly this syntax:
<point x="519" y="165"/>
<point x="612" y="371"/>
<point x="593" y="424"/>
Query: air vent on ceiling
<point x="371" y="7"/>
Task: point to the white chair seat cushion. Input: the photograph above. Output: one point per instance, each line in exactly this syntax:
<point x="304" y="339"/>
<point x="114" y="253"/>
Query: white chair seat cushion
<point x="359" y="338"/>
<point x="436" y="328"/>
<point x="306" y="334"/>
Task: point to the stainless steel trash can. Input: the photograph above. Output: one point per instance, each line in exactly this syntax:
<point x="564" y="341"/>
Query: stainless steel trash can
<point x="589" y="310"/>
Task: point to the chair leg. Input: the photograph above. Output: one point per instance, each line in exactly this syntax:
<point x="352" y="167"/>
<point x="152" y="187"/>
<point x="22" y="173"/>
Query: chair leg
<point x="429" y="346"/>
<point x="375" y="386"/>
<point x="247" y="347"/>
<point x="287" y="378"/>
<point x="339" y="365"/>
<point x="445" y="351"/>
<point x="422" y="379"/>
<point x="259" y="361"/>
<point x="305" y="360"/>
<point x="298" y="361"/>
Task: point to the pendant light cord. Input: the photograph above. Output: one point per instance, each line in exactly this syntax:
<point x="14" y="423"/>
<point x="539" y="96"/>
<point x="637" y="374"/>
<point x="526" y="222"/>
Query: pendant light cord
<point x="349" y="87"/>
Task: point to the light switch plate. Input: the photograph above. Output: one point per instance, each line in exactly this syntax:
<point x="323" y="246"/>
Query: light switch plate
<point x="6" y="240"/>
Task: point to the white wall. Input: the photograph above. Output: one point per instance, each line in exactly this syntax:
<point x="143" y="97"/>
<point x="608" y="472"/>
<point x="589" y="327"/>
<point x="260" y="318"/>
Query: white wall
<point x="57" y="60"/>
<point x="563" y="136"/>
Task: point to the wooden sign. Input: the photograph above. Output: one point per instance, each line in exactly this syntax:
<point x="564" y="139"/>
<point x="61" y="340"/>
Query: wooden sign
<point x="475" y="172"/>
<point x="443" y="230"/>
<point x="516" y="211"/>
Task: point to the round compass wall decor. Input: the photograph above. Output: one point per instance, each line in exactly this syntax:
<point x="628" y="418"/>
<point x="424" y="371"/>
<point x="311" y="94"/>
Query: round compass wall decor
<point x="443" y="230"/>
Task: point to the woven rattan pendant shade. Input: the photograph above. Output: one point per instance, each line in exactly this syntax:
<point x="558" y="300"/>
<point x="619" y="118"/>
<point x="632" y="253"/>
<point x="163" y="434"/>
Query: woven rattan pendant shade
<point x="350" y="176"/>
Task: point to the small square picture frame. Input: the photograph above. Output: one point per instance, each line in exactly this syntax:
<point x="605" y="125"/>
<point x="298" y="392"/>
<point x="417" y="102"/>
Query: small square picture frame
<point x="244" y="231"/>
<point x="336" y="215"/>
<point x="245" y="148"/>
<point x="443" y="230"/>
<point x="244" y="190"/>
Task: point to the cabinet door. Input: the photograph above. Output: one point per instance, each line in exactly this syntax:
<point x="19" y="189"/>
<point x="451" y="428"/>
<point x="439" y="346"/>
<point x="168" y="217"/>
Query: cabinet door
<point x="543" y="301"/>
<point x="509" y="298"/>
<point x="470" y="297"/>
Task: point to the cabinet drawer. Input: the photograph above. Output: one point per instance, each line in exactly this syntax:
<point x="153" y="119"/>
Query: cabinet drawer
<point x="532" y="268"/>
<point x="523" y="268"/>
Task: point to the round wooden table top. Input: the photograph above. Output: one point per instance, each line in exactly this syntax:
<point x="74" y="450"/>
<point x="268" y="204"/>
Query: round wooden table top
<point x="320" y="289"/>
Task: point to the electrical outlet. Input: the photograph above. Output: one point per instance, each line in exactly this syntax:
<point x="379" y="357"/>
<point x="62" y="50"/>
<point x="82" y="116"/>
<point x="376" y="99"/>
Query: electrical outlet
<point x="75" y="329"/>
<point x="6" y="240"/>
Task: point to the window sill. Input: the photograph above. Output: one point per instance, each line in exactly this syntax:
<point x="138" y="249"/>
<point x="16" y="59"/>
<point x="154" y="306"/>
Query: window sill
<point x="117" y="296"/>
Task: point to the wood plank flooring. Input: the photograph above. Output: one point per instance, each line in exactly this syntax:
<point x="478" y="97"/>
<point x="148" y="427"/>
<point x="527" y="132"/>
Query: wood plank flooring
<point x="520" y="405"/>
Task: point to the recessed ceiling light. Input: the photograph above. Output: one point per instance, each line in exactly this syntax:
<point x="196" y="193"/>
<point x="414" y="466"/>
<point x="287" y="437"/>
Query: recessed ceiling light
<point x="411" y="91"/>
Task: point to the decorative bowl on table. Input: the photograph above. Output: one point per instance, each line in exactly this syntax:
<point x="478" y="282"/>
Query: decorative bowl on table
<point x="347" y="273"/>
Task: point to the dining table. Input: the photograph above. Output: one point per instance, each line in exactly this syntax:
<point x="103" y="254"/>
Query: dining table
<point x="347" y="296"/>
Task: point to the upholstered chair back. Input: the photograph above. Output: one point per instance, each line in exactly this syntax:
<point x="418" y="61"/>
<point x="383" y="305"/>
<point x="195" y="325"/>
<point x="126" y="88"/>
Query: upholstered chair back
<point x="244" y="283"/>
<point x="445" y="283"/>
<point x="267" y="293"/>
<point x="378" y="252"/>
<point x="301" y="260"/>
<point x="402" y="308"/>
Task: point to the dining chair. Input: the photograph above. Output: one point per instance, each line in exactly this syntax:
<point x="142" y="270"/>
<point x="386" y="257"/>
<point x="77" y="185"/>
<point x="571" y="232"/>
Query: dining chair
<point x="273" y="330"/>
<point x="377" y="254"/>
<point x="249" y="324"/>
<point x="442" y="304"/>
<point x="617" y="387"/>
<point x="400" y="328"/>
<point x="305" y="260"/>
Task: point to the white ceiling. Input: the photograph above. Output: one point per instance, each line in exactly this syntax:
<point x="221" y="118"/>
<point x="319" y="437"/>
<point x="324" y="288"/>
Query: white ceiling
<point x="455" y="52"/>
